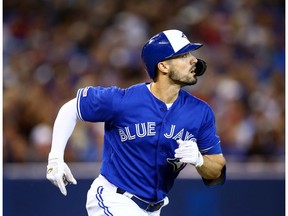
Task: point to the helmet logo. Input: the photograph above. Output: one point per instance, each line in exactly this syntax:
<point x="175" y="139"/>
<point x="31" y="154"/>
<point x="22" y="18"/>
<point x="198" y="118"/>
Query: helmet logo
<point x="183" y="35"/>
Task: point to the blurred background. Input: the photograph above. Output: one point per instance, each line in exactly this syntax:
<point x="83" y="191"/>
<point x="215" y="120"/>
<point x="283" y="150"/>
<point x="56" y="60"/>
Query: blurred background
<point x="53" y="47"/>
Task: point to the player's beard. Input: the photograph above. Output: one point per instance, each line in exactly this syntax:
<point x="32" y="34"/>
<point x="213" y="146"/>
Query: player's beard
<point x="189" y="79"/>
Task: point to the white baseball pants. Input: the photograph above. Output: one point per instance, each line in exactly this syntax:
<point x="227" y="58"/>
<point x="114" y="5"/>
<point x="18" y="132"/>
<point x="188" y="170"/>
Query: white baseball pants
<point x="102" y="200"/>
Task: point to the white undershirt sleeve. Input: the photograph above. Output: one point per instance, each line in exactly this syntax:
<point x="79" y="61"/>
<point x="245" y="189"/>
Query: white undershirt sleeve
<point x="63" y="127"/>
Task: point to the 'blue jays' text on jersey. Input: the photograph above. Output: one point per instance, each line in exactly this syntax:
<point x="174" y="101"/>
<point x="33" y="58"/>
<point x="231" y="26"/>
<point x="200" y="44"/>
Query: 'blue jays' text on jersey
<point x="140" y="135"/>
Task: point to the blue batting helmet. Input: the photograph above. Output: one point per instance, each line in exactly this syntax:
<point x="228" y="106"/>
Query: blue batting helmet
<point x="165" y="45"/>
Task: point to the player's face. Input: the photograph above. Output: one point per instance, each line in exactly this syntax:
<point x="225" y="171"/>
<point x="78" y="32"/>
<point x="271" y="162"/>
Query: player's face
<point x="181" y="69"/>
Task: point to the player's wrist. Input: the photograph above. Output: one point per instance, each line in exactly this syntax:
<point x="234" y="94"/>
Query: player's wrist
<point x="200" y="160"/>
<point x="56" y="156"/>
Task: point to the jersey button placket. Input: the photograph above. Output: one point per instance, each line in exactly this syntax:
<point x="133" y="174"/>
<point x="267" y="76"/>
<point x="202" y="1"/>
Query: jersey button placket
<point x="160" y="149"/>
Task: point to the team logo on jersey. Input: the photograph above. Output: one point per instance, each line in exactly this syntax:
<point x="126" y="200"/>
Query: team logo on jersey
<point x="179" y="135"/>
<point x="145" y="129"/>
<point x="176" y="164"/>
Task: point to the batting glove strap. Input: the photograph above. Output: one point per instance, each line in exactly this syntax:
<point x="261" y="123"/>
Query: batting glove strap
<point x="188" y="152"/>
<point x="200" y="160"/>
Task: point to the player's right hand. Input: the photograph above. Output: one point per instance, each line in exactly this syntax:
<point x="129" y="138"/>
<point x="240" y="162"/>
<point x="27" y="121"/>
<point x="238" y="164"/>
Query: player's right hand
<point x="59" y="174"/>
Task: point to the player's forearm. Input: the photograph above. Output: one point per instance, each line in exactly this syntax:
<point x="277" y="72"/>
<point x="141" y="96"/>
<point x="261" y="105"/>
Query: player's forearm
<point x="212" y="166"/>
<point x="63" y="127"/>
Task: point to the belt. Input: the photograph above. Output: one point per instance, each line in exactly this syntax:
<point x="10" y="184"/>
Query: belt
<point x="150" y="207"/>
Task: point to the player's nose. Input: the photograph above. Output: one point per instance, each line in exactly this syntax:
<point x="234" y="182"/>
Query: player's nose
<point x="193" y="60"/>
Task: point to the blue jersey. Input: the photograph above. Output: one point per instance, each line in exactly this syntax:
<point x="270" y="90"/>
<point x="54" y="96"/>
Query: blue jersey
<point x="141" y="133"/>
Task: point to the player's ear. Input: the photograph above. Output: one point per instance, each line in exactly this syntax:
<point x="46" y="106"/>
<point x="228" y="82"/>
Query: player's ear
<point x="163" y="67"/>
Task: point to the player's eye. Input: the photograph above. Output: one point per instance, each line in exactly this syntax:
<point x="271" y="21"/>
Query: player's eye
<point x="185" y="55"/>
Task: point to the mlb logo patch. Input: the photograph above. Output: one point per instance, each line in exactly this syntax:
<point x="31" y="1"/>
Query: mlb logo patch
<point x="85" y="91"/>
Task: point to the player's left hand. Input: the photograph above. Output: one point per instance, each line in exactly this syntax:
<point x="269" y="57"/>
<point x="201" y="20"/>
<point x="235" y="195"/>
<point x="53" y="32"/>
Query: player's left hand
<point x="188" y="152"/>
<point x="59" y="174"/>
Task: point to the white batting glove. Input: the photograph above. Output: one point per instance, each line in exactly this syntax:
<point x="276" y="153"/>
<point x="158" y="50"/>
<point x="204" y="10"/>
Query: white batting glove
<point x="59" y="173"/>
<point x="188" y="152"/>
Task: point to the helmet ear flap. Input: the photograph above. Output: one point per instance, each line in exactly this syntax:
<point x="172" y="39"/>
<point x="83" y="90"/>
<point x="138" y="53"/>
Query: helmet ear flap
<point x="201" y="67"/>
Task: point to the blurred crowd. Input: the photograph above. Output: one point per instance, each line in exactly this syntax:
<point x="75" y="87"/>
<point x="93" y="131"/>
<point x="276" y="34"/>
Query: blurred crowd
<point x="51" y="48"/>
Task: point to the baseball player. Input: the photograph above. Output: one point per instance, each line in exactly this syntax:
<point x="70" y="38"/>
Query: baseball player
<point x="152" y="131"/>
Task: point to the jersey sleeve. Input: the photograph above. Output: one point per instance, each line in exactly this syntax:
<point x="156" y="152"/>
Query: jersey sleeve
<point x="96" y="104"/>
<point x="208" y="141"/>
